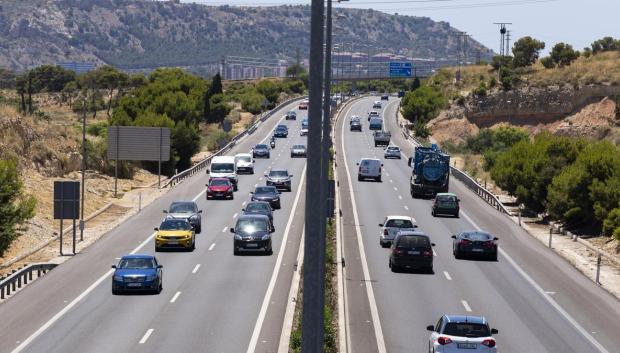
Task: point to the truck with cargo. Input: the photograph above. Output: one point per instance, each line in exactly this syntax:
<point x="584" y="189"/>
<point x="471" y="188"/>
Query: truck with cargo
<point x="382" y="138"/>
<point x="430" y="171"/>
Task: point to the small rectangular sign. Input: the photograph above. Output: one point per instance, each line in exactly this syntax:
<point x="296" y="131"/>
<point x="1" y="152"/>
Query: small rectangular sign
<point x="66" y="199"/>
<point x="135" y="143"/>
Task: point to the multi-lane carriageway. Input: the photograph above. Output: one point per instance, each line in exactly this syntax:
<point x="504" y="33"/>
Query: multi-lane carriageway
<point x="216" y="302"/>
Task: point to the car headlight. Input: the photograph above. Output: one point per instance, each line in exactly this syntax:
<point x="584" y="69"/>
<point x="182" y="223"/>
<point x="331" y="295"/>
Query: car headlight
<point x="238" y="237"/>
<point x="169" y="217"/>
<point x="118" y="278"/>
<point x="151" y="278"/>
<point x="266" y="237"/>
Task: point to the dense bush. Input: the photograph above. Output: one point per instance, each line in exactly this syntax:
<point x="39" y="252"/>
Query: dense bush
<point x="423" y="104"/>
<point x="15" y="207"/>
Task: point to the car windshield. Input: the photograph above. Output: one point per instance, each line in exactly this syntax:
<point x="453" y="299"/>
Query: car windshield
<point x="260" y="147"/>
<point x="413" y="241"/>
<point x="245" y="158"/>
<point x="258" y="207"/>
<point x="393" y="149"/>
<point x="252" y="225"/>
<point x="476" y="236"/>
<point x="466" y="330"/>
<point x="222" y="167"/>
<point x="175" y="224"/>
<point x="136" y="263"/>
<point x="184" y="207"/>
<point x="278" y="173"/>
<point x="265" y="190"/>
<point x="281" y="127"/>
<point x="399" y="223"/>
<point x="219" y="182"/>
<point x="299" y="147"/>
<point x="446" y="198"/>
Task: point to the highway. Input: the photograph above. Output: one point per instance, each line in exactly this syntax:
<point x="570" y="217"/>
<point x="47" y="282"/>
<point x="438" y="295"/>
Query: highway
<point x="537" y="301"/>
<point x="211" y="301"/>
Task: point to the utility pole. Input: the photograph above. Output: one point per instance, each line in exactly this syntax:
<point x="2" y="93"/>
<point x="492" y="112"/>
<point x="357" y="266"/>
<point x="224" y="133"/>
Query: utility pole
<point x="502" y="52"/>
<point x="314" y="248"/>
<point x="298" y="63"/>
<point x="507" y="51"/>
<point x="462" y="38"/>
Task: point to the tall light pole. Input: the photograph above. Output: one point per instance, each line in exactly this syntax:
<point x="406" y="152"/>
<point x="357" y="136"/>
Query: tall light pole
<point x="314" y="242"/>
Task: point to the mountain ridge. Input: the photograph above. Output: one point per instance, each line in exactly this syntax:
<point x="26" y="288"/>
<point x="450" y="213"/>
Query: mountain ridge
<point x="133" y="34"/>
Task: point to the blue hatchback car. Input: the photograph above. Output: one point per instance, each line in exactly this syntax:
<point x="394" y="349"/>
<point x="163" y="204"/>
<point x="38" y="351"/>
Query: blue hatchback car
<point x="137" y="273"/>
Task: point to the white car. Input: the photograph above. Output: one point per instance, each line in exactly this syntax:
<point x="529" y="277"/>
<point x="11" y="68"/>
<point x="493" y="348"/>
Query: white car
<point x="304" y="128"/>
<point x="376" y="105"/>
<point x="392" y="225"/>
<point x="459" y="333"/>
<point x="245" y="163"/>
<point x="369" y="168"/>
<point x="392" y="152"/>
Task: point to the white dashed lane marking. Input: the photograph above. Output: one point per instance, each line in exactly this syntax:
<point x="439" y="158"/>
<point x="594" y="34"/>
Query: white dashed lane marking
<point x="146" y="336"/>
<point x="445" y="273"/>
<point x="466" y="306"/>
<point x="175" y="297"/>
<point x="196" y="268"/>
<point x="211" y="247"/>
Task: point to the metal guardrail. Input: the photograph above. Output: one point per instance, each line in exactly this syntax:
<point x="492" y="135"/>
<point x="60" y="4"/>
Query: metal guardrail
<point x="462" y="176"/>
<point x="21" y="277"/>
<point x="179" y="177"/>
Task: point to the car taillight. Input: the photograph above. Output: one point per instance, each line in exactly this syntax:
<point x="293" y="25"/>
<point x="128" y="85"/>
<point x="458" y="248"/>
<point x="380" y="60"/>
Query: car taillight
<point x="444" y="340"/>
<point x="488" y="244"/>
<point x="427" y="253"/>
<point x="385" y="232"/>
<point x="398" y="251"/>
<point x="489" y="343"/>
<point x="464" y="242"/>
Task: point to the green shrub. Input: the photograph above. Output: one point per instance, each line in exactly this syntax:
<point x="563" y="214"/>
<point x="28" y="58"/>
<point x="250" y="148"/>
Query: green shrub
<point x="611" y="225"/>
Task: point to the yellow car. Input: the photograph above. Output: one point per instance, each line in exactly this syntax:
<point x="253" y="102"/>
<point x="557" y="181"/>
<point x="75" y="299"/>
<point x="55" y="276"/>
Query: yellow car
<point x="175" y="233"/>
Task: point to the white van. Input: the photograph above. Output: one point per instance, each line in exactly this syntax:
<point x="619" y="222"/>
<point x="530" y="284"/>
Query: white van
<point x="224" y="167"/>
<point x="369" y="168"/>
<point x="244" y="163"/>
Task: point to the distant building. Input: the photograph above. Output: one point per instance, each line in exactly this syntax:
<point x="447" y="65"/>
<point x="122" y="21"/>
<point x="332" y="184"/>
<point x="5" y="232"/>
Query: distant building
<point x="77" y="67"/>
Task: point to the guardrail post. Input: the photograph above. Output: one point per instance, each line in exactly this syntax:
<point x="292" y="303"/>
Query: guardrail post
<point x="598" y="268"/>
<point x="30" y="275"/>
<point x="550" y="236"/>
<point x="140" y="201"/>
<point x="2" y="293"/>
<point x="39" y="272"/>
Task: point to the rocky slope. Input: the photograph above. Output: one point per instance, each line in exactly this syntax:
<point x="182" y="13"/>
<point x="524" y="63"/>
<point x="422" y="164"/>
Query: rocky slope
<point x="144" y="34"/>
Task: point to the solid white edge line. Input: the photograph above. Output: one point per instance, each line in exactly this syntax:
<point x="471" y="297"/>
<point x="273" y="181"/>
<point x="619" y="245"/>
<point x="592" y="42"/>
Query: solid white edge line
<point x="369" y="291"/>
<point x="211" y="246"/>
<point x="448" y="277"/>
<point x="289" y="314"/>
<point x="542" y="292"/>
<point x="175" y="297"/>
<point x="146" y="336"/>
<point x="196" y="268"/>
<point x="466" y="306"/>
<point x="274" y="276"/>
<point x="344" y="337"/>
<point x="87" y="291"/>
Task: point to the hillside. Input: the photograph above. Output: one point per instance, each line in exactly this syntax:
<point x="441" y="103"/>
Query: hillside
<point x="133" y="34"/>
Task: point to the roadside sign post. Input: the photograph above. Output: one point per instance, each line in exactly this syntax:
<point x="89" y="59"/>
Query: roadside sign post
<point x="66" y="206"/>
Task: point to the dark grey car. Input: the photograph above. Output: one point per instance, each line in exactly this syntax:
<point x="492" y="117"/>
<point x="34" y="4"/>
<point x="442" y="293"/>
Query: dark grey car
<point x="261" y="150"/>
<point x="260" y="208"/>
<point x="252" y="233"/>
<point x="186" y="210"/>
<point x="268" y="194"/>
<point x="475" y="243"/>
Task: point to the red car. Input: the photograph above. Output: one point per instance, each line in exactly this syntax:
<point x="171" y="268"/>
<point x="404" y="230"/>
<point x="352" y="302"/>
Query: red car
<point x="220" y="188"/>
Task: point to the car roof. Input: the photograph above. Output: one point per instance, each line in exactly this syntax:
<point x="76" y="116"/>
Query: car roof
<point x="183" y="203"/>
<point x="475" y="232"/>
<point x="260" y="144"/>
<point x="219" y="179"/>
<point x="446" y="194"/>
<point x="253" y="216"/>
<point x="466" y="318"/>
<point x="400" y="217"/>
<point x="278" y="170"/>
<point x="258" y="202"/>
<point x="266" y="186"/>
<point x="417" y="233"/>
<point x="299" y="146"/>
<point x="370" y="159"/>
<point x="243" y="155"/>
<point x="138" y="256"/>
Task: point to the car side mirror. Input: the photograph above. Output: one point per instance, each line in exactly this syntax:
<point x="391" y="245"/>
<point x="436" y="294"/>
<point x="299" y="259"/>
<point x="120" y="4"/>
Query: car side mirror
<point x="156" y="229"/>
<point x="207" y="185"/>
<point x="290" y="175"/>
<point x="243" y="209"/>
<point x="208" y="171"/>
<point x="432" y="244"/>
<point x="458" y="200"/>
<point x="409" y="161"/>
<point x="453" y="237"/>
<point x="266" y="175"/>
<point x="272" y="230"/>
<point x="232" y="230"/>
<point x="494" y="331"/>
<point x="357" y="164"/>
<point x="430" y="328"/>
<point x="160" y="266"/>
<point x="496" y="238"/>
<point x="415" y="226"/>
<point x="380" y="224"/>
<point x="251" y="192"/>
<point x="199" y="211"/>
<point x="165" y="211"/>
<point x="114" y="266"/>
<point x="382" y="164"/>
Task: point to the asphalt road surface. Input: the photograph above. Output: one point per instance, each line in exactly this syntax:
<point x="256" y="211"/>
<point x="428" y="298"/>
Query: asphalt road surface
<point x="211" y="301"/>
<point x="537" y="301"/>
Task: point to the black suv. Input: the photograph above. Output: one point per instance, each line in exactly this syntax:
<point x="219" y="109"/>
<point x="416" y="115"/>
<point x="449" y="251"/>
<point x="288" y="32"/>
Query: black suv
<point x="385" y="97"/>
<point x="291" y="115"/>
<point x="252" y="233"/>
<point x="411" y="249"/>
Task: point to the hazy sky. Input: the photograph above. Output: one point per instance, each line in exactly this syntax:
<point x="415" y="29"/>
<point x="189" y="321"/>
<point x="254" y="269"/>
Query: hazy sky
<point x="577" y="22"/>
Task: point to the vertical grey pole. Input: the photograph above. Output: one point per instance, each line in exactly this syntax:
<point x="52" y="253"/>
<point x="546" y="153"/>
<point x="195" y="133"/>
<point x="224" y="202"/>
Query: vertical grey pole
<point x="140" y="201"/>
<point x="550" y="236"/>
<point x="73" y="214"/>
<point x="118" y="137"/>
<point x="159" y="163"/>
<point x="74" y="234"/>
<point x="62" y="204"/>
<point x="314" y="250"/>
<point x="598" y="268"/>
<point x="83" y="173"/>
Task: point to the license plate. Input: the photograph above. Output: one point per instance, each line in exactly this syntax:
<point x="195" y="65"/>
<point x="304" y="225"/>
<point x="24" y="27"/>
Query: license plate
<point x="134" y="284"/>
<point x="173" y="242"/>
<point x="251" y="245"/>
<point x="219" y="194"/>
<point x="477" y="250"/>
<point x="466" y="346"/>
<point x="413" y="252"/>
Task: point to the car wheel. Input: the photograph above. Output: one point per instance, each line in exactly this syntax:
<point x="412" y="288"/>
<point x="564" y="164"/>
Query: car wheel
<point x="157" y="249"/>
<point x="394" y="268"/>
<point x="433" y="213"/>
<point x="379" y="178"/>
<point x="269" y="251"/>
<point x="456" y="215"/>
<point x="494" y="257"/>
<point x="359" y="177"/>
<point x="193" y="245"/>
<point x="115" y="291"/>
<point x="235" y="187"/>
<point x="269" y="156"/>
<point x="199" y="229"/>
<point x="430" y="270"/>
<point x="235" y="251"/>
<point x="457" y="254"/>
<point x="232" y="196"/>
<point x="161" y="287"/>
<point x="278" y="206"/>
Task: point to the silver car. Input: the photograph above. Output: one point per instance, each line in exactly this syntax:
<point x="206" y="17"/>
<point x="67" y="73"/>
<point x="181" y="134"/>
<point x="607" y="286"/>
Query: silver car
<point x="392" y="225"/>
<point x="392" y="152"/>
<point x="298" y="151"/>
<point x="280" y="178"/>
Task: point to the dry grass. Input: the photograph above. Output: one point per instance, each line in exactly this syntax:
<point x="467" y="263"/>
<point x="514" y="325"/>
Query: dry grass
<point x="471" y="77"/>
<point x="602" y="68"/>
